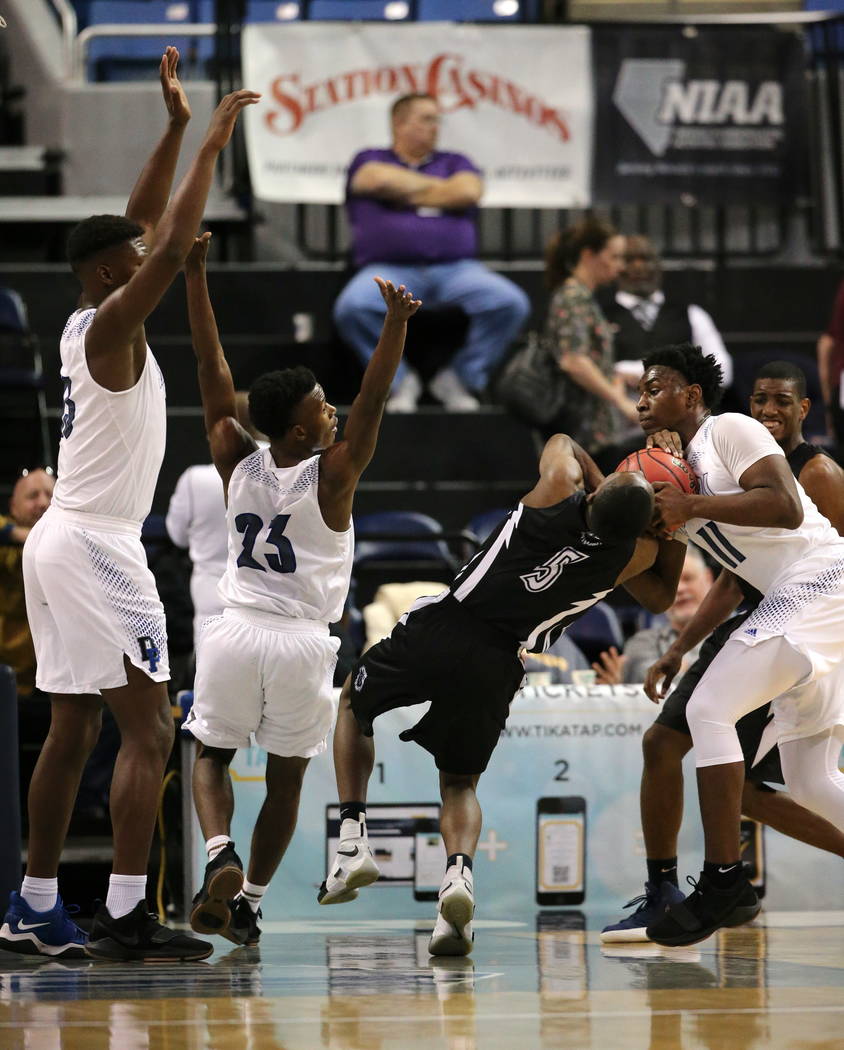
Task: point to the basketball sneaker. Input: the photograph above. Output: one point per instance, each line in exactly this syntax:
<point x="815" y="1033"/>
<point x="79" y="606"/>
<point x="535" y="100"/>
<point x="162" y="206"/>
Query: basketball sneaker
<point x="653" y="903"/>
<point x="243" y="926"/>
<point x="211" y="910"/>
<point x="30" y="932"/>
<point x="705" y="910"/>
<point x="353" y="867"/>
<point x="139" y="936"/>
<point x="453" y="929"/>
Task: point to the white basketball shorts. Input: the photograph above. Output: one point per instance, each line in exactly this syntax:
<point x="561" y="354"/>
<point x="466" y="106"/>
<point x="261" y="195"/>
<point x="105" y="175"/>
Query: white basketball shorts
<point x="807" y="610"/>
<point x="268" y="675"/>
<point x="90" y="599"/>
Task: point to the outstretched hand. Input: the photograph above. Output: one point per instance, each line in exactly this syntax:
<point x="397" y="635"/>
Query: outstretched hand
<point x="400" y="302"/>
<point x="660" y="675"/>
<point x="225" y="116"/>
<point x="195" y="262"/>
<point x="175" y="98"/>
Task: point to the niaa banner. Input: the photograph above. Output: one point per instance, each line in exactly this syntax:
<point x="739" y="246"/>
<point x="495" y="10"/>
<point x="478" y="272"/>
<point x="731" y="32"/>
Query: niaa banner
<point x="327" y="91"/>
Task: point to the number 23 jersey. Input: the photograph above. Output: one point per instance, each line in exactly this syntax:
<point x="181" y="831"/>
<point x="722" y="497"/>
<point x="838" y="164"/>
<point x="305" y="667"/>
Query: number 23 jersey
<point x="720" y="452"/>
<point x="282" y="557"/>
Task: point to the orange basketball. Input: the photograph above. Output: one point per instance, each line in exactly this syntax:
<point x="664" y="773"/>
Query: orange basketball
<point x="658" y="465"/>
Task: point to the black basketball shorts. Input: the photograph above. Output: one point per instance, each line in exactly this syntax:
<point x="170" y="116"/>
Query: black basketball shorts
<point x="466" y="668"/>
<point x="749" y="728"/>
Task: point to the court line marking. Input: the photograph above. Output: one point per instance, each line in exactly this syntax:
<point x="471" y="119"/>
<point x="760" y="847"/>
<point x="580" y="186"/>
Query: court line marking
<point x="393" y="1019"/>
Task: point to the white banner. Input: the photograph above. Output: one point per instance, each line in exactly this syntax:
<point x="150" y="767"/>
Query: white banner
<point x="517" y="100"/>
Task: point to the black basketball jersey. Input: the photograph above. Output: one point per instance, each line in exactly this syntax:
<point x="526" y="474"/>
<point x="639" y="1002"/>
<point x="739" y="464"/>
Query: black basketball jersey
<point x="540" y="570"/>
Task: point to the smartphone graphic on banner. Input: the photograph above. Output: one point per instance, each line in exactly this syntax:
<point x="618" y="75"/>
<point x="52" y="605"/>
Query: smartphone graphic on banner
<point x="428" y="860"/>
<point x="561" y="850"/>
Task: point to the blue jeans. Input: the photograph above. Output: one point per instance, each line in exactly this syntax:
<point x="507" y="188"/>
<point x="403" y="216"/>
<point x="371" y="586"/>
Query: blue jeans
<point x="496" y="309"/>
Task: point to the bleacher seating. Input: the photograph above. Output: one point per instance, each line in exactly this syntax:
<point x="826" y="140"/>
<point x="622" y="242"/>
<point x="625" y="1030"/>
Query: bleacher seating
<point x="120" y="58"/>
<point x="359" y="10"/>
<point x="264" y="10"/>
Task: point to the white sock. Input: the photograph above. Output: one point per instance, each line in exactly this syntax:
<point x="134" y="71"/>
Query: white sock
<point x="216" y="845"/>
<point x="252" y="894"/>
<point x="124" y="892"/>
<point x="353" y="829"/>
<point x="40" y="894"/>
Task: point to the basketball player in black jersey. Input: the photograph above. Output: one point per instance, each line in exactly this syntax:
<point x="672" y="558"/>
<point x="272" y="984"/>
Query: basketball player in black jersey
<point x="572" y="539"/>
<point x="780" y="403"/>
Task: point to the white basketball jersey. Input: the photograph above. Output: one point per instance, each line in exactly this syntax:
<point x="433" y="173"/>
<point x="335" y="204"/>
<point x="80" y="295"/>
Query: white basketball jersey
<point x="283" y="558"/>
<point x="112" y="442"/>
<point x="719" y="453"/>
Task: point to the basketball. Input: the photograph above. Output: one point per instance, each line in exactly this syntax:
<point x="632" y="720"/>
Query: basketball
<point x="658" y="465"/>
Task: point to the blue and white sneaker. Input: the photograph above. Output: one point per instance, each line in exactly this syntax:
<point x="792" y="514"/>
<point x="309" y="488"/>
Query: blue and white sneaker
<point x="653" y="904"/>
<point x="30" y="932"/>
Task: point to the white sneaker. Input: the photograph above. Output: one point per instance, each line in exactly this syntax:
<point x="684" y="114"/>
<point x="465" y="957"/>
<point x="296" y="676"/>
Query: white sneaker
<point x="353" y="867"/>
<point x="453" y="929"/>
<point x="447" y="388"/>
<point x="405" y="396"/>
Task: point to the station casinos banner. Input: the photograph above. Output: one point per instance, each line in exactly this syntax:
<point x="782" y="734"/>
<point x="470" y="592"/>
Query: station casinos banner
<point x="714" y="114"/>
<point x="517" y="100"/>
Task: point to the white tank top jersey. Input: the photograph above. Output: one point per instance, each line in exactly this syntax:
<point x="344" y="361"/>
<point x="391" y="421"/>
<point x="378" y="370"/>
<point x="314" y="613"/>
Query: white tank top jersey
<point x="719" y="453"/>
<point x="283" y="558"/>
<point x="112" y="443"/>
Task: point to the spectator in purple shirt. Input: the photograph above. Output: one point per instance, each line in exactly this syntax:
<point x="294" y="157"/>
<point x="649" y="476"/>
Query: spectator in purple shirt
<point x="412" y="211"/>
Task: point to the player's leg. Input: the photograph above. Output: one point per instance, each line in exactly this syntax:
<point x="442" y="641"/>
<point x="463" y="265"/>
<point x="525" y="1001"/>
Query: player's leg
<point x="781" y="812"/>
<point x="812" y="774"/>
<point x="460" y="825"/>
<point x="36" y="922"/>
<point x="213" y="799"/>
<point x="123" y="928"/>
<point x="354" y="759"/>
<point x="228" y="700"/>
<point x="739" y="680"/>
<point x="664" y="746"/>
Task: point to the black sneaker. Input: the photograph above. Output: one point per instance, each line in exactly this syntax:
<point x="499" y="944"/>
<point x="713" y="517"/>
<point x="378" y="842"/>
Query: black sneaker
<point x="243" y="927"/>
<point x="139" y="936"/>
<point x="211" y="911"/>
<point x="704" y="911"/>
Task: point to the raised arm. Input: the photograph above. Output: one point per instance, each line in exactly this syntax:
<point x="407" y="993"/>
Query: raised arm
<point x="110" y="338"/>
<point x="414" y="189"/>
<point x="342" y="465"/>
<point x="563" y="469"/>
<point x="229" y="441"/>
<point x="152" y="190"/>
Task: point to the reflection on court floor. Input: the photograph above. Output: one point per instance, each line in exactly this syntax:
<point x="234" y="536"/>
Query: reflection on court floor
<point x="542" y="981"/>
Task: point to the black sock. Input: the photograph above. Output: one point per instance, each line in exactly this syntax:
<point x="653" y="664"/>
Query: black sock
<point x="662" y="871"/>
<point x="352" y="811"/>
<point x="723" y="876"/>
<point x="463" y="858"/>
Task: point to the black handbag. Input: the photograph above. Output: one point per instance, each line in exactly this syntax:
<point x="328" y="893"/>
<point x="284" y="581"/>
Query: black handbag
<point x="532" y="385"/>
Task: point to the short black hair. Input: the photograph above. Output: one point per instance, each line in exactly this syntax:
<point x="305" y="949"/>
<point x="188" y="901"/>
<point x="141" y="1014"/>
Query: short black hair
<point x="95" y="235"/>
<point x="404" y="102"/>
<point x="621" y="511"/>
<point x="784" y="370"/>
<point x="690" y="362"/>
<point x="274" y="396"/>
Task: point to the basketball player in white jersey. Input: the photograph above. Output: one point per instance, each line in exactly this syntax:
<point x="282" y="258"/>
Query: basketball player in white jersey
<point x="756" y="520"/>
<point x="266" y="665"/>
<point x="96" y="620"/>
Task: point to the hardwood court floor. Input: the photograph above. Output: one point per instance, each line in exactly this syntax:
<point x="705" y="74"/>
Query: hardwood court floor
<point x="533" y="983"/>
